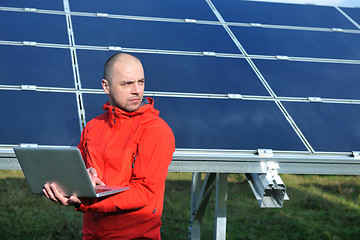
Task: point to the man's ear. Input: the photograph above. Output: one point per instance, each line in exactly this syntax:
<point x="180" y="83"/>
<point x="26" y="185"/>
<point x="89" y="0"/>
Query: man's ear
<point x="105" y="85"/>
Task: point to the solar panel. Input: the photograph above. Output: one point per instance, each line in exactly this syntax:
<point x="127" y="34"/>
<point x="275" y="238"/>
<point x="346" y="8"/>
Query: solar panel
<point x="281" y="14"/>
<point x="298" y="43"/>
<point x="328" y="127"/>
<point x="152" y="35"/>
<point x="46" y="67"/>
<point x="39" y="117"/>
<point x="240" y="75"/>
<point x="29" y="26"/>
<point x="164" y="9"/>
<point x="311" y="79"/>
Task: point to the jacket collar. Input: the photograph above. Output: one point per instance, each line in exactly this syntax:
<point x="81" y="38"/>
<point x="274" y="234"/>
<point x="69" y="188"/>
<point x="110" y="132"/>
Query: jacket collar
<point x="147" y="105"/>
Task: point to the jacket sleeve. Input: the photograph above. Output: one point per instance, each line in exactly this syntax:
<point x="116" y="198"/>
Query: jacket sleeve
<point x="156" y="147"/>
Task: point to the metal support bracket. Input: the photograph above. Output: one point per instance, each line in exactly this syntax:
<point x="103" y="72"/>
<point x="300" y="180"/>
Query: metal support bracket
<point x="234" y="96"/>
<point x="114" y="48"/>
<point x="268" y="188"/>
<point x="200" y="194"/>
<point x="211" y="54"/>
<point x="35" y="145"/>
<point x="315" y="99"/>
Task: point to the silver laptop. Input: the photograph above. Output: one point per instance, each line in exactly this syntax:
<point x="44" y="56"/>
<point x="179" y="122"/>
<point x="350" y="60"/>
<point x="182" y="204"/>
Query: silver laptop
<point x="63" y="166"/>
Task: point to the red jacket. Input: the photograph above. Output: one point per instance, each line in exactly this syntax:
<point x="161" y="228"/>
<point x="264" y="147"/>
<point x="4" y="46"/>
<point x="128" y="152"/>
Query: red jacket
<point x="133" y="149"/>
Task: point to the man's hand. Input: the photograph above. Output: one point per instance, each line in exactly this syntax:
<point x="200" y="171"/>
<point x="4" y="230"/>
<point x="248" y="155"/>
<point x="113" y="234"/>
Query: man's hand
<point x="94" y="178"/>
<point x="53" y="193"/>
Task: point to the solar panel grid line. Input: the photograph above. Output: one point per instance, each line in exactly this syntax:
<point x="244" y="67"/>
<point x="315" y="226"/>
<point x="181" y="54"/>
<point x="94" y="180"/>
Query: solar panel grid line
<point x="33" y="10"/>
<point x="75" y="66"/>
<point x="348" y="17"/>
<point x="324" y="100"/>
<point x="288" y="27"/>
<point x="38" y="44"/>
<point x="226" y="96"/>
<point x="140" y="50"/>
<point x="303" y="59"/>
<point x="39" y="89"/>
<point x="145" y="18"/>
<point x="187" y="95"/>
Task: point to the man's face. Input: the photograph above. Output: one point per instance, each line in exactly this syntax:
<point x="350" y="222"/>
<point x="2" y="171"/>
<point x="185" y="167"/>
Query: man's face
<point x="126" y="86"/>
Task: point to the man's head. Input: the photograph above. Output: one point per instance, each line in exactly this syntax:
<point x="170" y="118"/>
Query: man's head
<point x="124" y="81"/>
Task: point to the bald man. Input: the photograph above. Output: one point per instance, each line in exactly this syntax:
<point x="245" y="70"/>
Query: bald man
<point x="127" y="145"/>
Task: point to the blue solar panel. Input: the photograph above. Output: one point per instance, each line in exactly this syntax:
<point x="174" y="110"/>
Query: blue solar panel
<point x="310" y="79"/>
<point x="328" y="127"/>
<point x="298" y="43"/>
<point x="281" y="14"/>
<point x="36" y="66"/>
<point x="183" y="9"/>
<point x="152" y="35"/>
<point x="38" y="117"/>
<point x="24" y="26"/>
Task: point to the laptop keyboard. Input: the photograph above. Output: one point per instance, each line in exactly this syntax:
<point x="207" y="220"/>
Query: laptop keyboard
<point x="100" y="190"/>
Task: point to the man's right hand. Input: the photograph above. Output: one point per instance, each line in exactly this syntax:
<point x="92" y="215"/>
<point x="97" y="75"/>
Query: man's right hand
<point x="52" y="192"/>
<point x="94" y="177"/>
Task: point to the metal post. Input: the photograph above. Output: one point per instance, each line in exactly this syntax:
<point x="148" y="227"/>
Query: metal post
<point x="220" y="206"/>
<point x="194" y="228"/>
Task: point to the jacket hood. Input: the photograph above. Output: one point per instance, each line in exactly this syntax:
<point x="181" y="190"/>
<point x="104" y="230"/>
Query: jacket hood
<point x="147" y="105"/>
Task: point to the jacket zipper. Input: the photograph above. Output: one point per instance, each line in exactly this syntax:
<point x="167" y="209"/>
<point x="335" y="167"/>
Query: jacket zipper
<point x="134" y="156"/>
<point x="113" y="110"/>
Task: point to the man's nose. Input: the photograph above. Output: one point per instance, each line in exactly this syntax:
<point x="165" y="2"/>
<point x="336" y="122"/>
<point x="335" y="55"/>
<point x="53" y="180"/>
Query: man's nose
<point x="136" y="89"/>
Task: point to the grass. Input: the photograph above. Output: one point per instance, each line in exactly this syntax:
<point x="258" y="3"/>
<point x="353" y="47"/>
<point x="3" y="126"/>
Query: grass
<point x="320" y="207"/>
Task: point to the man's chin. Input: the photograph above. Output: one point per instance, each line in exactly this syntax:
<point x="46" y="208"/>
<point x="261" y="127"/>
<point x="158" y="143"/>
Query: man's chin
<point x="133" y="107"/>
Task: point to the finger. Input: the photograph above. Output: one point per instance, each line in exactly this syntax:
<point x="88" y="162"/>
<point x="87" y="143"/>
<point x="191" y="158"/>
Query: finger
<point x="99" y="182"/>
<point x="58" y="195"/>
<point x="50" y="193"/>
<point x="45" y="193"/>
<point x="75" y="200"/>
<point x="92" y="172"/>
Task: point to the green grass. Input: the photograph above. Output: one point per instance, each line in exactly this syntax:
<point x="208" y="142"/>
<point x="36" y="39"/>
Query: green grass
<point x="320" y="207"/>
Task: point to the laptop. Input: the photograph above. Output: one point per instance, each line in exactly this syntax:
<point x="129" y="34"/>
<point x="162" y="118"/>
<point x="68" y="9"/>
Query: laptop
<point x="63" y="166"/>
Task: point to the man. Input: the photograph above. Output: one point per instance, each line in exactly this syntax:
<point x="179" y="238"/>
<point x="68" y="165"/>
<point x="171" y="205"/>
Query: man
<point x="127" y="145"/>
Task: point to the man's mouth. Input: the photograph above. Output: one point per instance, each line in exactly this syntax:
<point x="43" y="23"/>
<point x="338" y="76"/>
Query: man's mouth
<point x="135" y="100"/>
